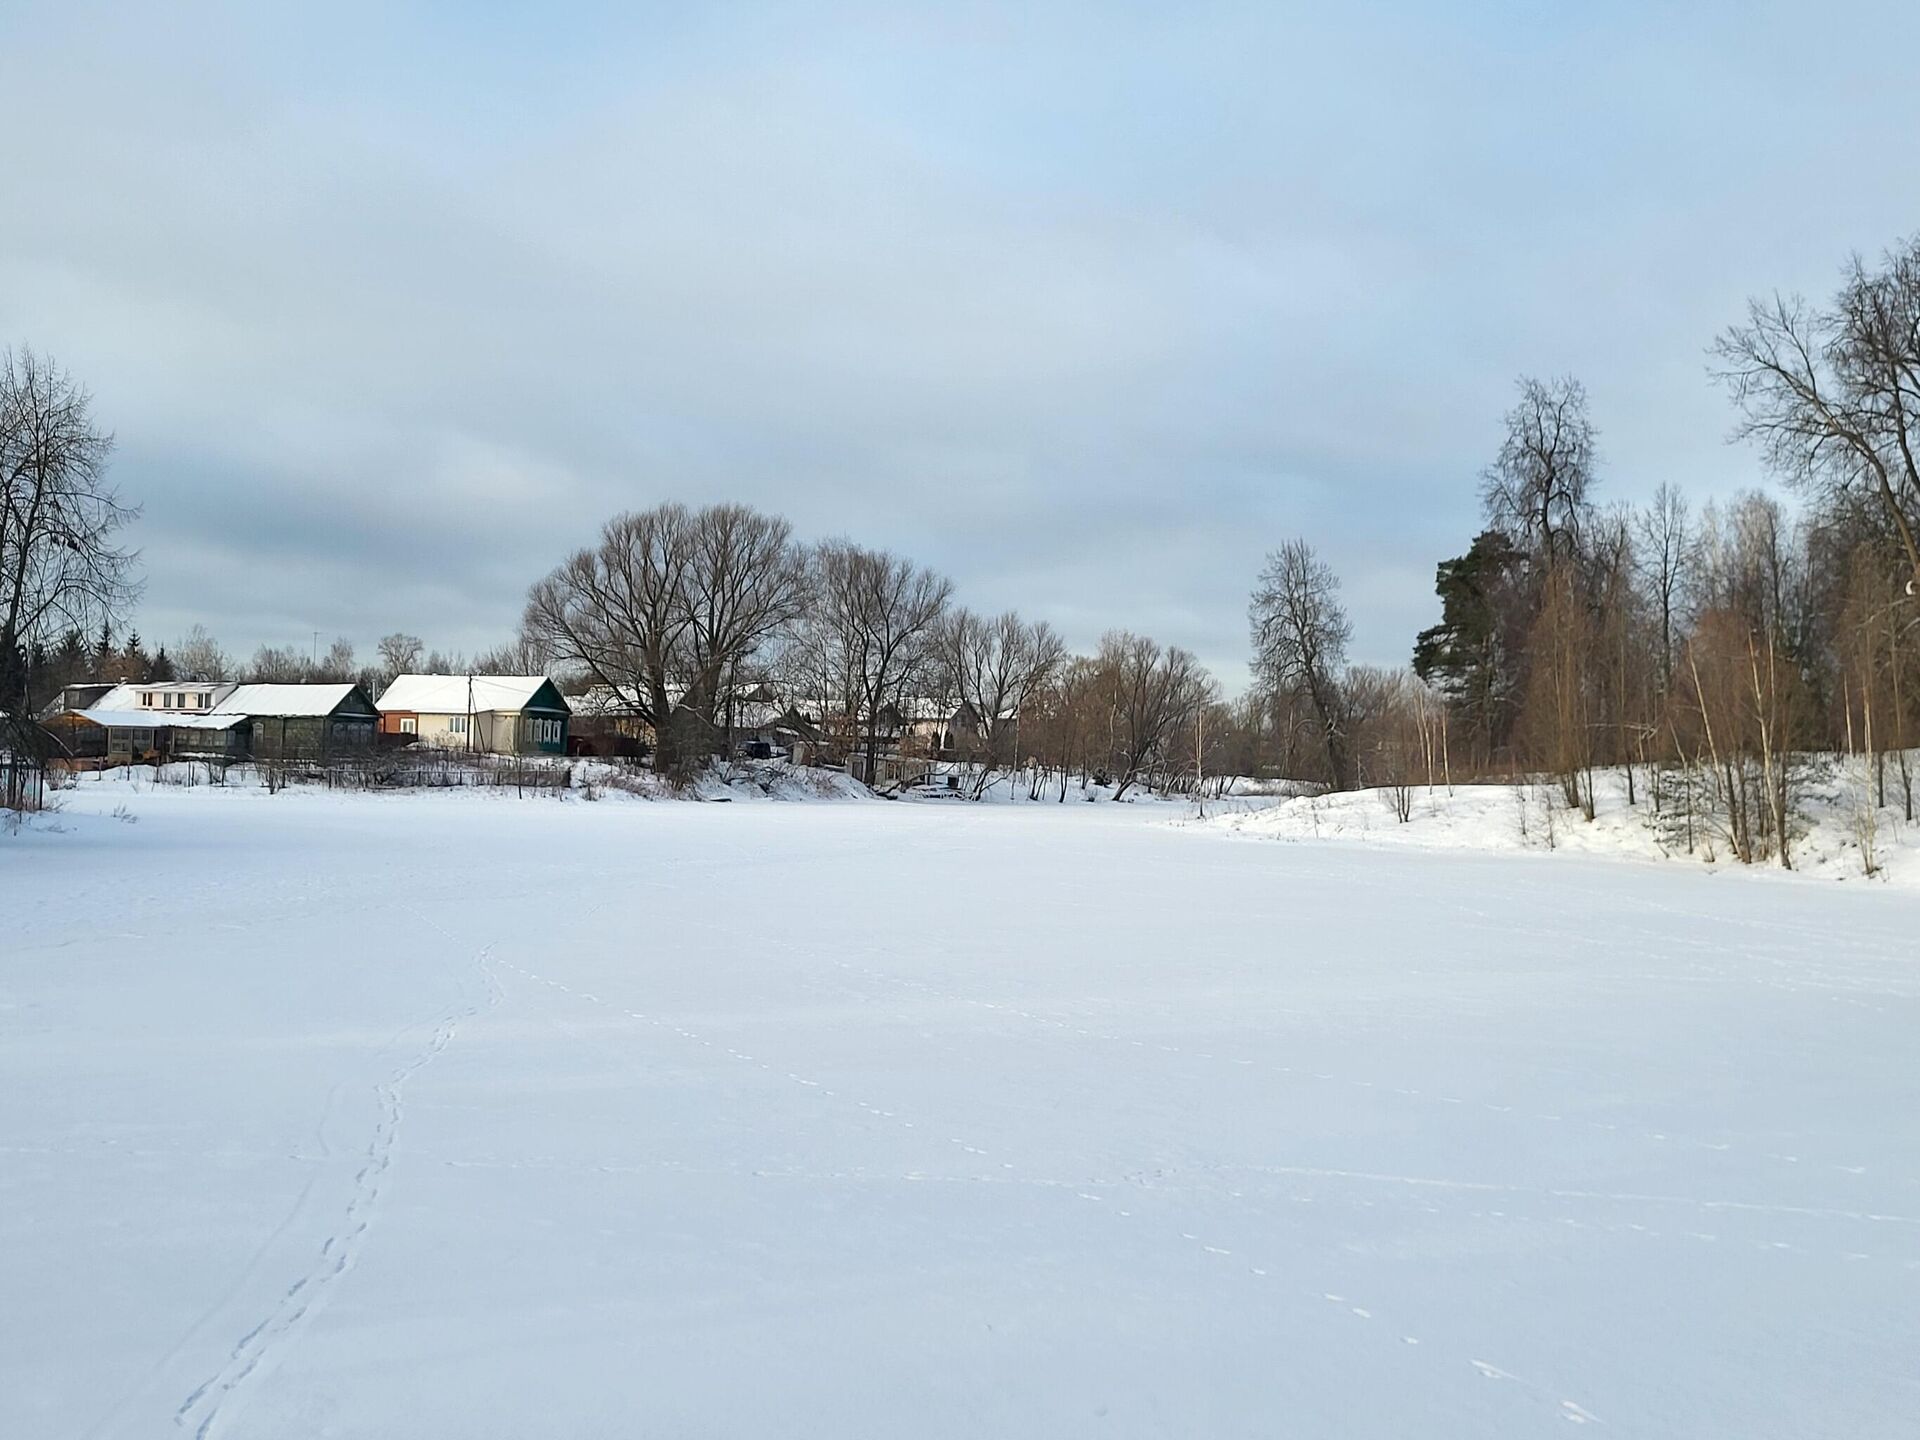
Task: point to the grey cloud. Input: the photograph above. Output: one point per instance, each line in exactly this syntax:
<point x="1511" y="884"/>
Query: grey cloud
<point x="1088" y="307"/>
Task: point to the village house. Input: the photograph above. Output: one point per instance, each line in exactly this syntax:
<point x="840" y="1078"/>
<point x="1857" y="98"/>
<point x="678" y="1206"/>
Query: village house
<point x="303" y="722"/>
<point x="925" y="726"/>
<point x="491" y="714"/>
<point x="117" y="724"/>
<point x="608" y="720"/>
<point x="193" y="719"/>
<point x="764" y="729"/>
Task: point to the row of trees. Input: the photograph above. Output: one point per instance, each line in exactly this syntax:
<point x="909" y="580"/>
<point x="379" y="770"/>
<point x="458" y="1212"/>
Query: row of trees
<point x="680" y="608"/>
<point x="1703" y="651"/>
<point x="1707" y="653"/>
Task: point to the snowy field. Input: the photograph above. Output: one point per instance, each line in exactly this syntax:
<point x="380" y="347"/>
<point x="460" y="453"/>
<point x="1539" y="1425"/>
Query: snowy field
<point x="464" y="1116"/>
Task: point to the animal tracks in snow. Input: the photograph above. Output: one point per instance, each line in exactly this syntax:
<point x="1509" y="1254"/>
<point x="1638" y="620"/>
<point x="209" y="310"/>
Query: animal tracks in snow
<point x="206" y="1407"/>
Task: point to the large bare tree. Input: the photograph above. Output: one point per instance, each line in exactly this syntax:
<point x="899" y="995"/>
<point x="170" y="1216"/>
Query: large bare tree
<point x="399" y="653"/>
<point x="1300" y="634"/>
<point x="1537" y="487"/>
<point x="1833" y="396"/>
<point x="666" y="606"/>
<point x="61" y="567"/>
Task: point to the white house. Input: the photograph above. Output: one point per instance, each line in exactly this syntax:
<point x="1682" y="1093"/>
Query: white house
<point x="170" y="697"/>
<point x="497" y="714"/>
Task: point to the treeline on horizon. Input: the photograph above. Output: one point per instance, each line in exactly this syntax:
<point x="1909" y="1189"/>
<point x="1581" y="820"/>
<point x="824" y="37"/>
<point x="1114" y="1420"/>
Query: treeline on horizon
<point x="1707" y="653"/>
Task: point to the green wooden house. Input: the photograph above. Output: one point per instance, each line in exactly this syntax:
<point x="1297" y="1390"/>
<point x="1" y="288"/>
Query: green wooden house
<point x="304" y="722"/>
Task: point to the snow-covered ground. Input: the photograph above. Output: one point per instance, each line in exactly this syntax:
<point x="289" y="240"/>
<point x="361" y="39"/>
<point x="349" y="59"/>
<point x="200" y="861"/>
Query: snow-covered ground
<point x="1832" y="837"/>
<point x="458" y="1115"/>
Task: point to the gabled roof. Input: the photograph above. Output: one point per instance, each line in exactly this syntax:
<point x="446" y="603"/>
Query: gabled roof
<point x="78" y="695"/>
<point x="117" y="697"/>
<point x="291" y="701"/>
<point x="449" y="694"/>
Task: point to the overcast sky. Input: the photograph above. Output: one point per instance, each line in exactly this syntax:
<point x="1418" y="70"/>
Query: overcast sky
<point x="1088" y="307"/>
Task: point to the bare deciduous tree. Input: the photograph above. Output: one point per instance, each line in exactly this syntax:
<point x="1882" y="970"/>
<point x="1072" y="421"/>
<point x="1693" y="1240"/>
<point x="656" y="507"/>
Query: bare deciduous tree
<point x="868" y="636"/>
<point x="1300" y="635"/>
<point x="399" y="655"/>
<point x="337" y="664"/>
<point x="1152" y="692"/>
<point x="668" y="603"/>
<point x="1833" y="396"/>
<point x="1661" y="556"/>
<point x="279" y="665"/>
<point x="198" y="656"/>
<point x="1537" y="487"/>
<point x="996" y="667"/>
<point x="60" y="565"/>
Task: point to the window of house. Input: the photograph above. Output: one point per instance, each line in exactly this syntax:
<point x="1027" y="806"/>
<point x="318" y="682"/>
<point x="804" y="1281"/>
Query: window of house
<point x="457" y="725"/>
<point x="409" y="727"/>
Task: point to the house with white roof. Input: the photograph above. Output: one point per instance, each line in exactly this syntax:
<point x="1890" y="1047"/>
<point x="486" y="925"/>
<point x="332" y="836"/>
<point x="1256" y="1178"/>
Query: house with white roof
<point x="491" y="714"/>
<point x="122" y="723"/>
<point x="303" y="722"/>
<point x="199" y="719"/>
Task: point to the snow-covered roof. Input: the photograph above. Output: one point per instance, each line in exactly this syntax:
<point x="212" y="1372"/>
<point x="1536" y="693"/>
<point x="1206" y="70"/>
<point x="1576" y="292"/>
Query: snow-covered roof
<point x="120" y="697"/>
<point x="606" y="700"/>
<point x="924" y="707"/>
<point x="284" y="700"/>
<point x="449" y="695"/>
<point x="157" y="719"/>
<point x="129" y="695"/>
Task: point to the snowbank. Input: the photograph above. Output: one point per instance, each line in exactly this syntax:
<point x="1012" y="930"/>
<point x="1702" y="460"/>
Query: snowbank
<point x="567" y="781"/>
<point x="1510" y="818"/>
